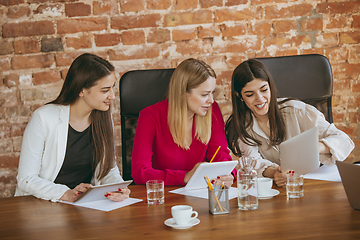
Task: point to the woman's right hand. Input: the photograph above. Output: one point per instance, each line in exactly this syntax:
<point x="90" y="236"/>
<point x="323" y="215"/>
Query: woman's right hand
<point x="279" y="178"/>
<point x="72" y="194"/>
<point x="189" y="174"/>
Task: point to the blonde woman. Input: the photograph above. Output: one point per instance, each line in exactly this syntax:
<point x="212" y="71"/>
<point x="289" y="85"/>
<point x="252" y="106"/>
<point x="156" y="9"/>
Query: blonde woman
<point x="176" y="135"/>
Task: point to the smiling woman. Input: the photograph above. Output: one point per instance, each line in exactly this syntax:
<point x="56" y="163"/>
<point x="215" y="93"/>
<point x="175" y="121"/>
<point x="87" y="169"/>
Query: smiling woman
<point x="68" y="144"/>
<point x="260" y="122"/>
<point x="176" y="135"/>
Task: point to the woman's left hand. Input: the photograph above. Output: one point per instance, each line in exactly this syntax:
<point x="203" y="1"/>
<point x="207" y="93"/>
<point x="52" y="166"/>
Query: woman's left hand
<point x="227" y="180"/>
<point x="120" y="195"/>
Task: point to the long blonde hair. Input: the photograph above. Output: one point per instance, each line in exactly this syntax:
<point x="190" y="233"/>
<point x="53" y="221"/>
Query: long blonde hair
<point x="188" y="75"/>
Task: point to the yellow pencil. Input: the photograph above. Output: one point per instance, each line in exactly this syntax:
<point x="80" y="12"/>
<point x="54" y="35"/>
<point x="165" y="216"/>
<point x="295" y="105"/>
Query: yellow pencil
<point x="208" y="182"/>
<point x="215" y="154"/>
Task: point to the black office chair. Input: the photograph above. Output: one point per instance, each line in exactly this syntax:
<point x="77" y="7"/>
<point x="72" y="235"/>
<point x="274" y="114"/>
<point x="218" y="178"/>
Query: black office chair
<point x="138" y="89"/>
<point x="305" y="77"/>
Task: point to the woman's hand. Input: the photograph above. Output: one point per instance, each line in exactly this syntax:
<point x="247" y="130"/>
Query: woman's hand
<point x="323" y="149"/>
<point x="120" y="195"/>
<point x="82" y="187"/>
<point x="228" y="180"/>
<point x="279" y="178"/>
<point x="72" y="194"/>
<point x="276" y="174"/>
<point x="189" y="174"/>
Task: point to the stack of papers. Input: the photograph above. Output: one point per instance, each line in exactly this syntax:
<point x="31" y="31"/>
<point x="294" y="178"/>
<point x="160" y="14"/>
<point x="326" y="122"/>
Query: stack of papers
<point x="327" y="173"/>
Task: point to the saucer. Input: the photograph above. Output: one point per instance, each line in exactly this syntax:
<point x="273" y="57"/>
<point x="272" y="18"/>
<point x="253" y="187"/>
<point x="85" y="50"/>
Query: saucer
<point x="273" y="192"/>
<point x="171" y="223"/>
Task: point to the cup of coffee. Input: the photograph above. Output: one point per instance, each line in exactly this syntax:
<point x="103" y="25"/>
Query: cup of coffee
<point x="264" y="186"/>
<point x="183" y="214"/>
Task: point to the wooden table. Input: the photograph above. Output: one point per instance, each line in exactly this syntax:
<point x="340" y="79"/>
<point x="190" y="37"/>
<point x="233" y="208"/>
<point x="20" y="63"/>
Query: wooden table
<point x="323" y="213"/>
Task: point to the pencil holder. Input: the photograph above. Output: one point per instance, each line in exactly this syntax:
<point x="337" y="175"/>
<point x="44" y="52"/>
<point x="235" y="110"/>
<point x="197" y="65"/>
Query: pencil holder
<point x="219" y="201"/>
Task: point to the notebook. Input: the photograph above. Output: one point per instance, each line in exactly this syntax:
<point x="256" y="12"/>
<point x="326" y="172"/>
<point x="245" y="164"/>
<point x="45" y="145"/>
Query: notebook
<point x="350" y="177"/>
<point x="301" y="153"/>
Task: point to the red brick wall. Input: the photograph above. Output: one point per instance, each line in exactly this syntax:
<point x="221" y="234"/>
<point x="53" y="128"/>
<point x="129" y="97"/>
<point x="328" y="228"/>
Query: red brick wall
<point x="39" y="40"/>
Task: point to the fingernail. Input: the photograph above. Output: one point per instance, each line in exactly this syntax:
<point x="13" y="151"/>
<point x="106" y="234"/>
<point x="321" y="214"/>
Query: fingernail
<point x="119" y="190"/>
<point x="212" y="181"/>
<point x="78" y="193"/>
<point x="218" y="177"/>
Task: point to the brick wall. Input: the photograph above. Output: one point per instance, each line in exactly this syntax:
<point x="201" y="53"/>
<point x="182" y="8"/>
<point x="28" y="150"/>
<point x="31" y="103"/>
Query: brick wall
<point x="39" y="40"/>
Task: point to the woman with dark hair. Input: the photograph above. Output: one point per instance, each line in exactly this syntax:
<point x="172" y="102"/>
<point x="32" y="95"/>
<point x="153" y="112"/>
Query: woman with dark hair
<point x="176" y="135"/>
<point x="260" y="122"/>
<point x="68" y="144"/>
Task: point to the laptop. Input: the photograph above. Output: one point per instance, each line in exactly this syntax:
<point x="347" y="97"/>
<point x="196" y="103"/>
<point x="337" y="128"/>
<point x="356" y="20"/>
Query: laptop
<point x="350" y="176"/>
<point x="301" y="153"/>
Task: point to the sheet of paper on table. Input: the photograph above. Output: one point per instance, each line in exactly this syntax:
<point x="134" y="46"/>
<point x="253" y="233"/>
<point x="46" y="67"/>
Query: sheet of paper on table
<point x="105" y="204"/>
<point x="327" y="173"/>
<point x="202" y="192"/>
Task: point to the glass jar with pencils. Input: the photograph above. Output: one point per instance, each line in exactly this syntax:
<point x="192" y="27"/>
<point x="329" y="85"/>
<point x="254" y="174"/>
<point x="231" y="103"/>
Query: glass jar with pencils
<point x="247" y="184"/>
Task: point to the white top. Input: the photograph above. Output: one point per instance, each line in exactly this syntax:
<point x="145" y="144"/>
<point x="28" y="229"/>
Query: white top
<point x="298" y="117"/>
<point x="42" y="155"/>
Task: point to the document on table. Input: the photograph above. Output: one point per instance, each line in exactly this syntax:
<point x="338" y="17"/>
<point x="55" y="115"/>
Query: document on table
<point x="327" y="173"/>
<point x="202" y="192"/>
<point x="105" y="204"/>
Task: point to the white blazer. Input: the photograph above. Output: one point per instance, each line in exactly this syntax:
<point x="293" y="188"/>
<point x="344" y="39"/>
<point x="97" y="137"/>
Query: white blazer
<point x="299" y="117"/>
<point x="42" y="154"/>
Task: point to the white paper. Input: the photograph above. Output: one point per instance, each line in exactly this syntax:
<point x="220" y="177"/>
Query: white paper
<point x="327" y="173"/>
<point x="203" y="192"/>
<point x="105" y="204"/>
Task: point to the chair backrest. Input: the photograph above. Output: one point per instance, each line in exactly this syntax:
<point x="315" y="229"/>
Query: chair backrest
<point x="138" y="89"/>
<point x="305" y="77"/>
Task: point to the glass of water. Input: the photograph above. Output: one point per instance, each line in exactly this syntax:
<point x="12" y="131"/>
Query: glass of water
<point x="155" y="192"/>
<point x="294" y="185"/>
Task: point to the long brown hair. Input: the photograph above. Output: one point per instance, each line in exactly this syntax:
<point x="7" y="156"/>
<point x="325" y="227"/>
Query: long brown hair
<point x="241" y="119"/>
<point x="84" y="72"/>
<point x="188" y="75"/>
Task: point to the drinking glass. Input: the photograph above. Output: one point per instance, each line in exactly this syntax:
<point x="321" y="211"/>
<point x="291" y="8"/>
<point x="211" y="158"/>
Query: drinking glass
<point x="294" y="185"/>
<point x="155" y="192"/>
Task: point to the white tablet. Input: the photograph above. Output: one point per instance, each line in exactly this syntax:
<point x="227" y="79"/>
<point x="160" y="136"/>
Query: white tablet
<point x="95" y="193"/>
<point x="212" y="170"/>
<point x="301" y="153"/>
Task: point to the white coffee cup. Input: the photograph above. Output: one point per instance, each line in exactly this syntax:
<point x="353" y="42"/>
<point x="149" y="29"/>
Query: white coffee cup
<point x="183" y="214"/>
<point x="264" y="186"/>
